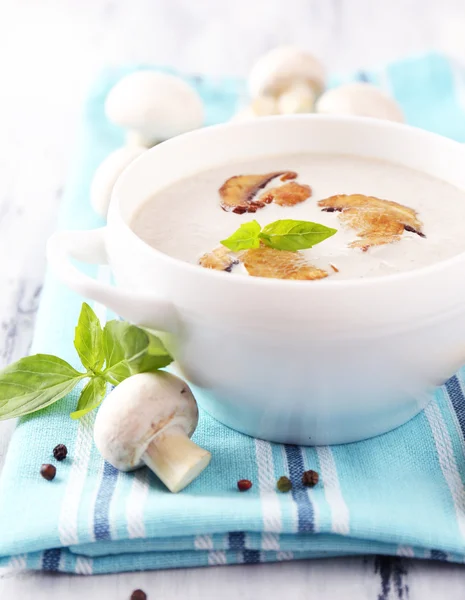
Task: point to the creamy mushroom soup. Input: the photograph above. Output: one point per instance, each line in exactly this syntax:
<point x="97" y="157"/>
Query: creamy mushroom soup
<point x="388" y="218"/>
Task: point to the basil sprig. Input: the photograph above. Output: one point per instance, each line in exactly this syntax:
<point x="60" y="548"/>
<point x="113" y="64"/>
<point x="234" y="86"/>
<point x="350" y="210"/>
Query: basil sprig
<point x="285" y="234"/>
<point x="108" y="355"/>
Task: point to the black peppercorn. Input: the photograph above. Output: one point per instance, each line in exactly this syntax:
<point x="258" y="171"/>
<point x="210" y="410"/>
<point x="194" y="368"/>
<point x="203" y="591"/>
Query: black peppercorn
<point x="284" y="484"/>
<point x="48" y="472"/>
<point x="310" y="478"/>
<point x="60" y="452"/>
<point x="138" y="595"/>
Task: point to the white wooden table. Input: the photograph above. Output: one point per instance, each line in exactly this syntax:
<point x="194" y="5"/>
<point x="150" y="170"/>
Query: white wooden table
<point x="49" y="52"/>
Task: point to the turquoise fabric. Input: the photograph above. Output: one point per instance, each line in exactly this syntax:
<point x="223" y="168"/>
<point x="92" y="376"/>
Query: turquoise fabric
<point x="401" y="493"/>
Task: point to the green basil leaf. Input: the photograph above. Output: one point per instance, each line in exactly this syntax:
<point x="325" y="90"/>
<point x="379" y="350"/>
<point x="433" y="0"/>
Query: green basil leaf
<point x="91" y="396"/>
<point x="130" y="350"/>
<point x="244" y="238"/>
<point x="88" y="339"/>
<point x="34" y="382"/>
<point x="288" y="234"/>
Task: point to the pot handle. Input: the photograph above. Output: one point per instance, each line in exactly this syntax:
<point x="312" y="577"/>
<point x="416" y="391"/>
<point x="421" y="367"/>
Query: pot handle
<point x="89" y="247"/>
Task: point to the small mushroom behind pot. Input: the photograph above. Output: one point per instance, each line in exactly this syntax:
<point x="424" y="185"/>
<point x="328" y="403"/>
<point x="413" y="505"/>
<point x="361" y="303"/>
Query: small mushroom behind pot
<point x="148" y="419"/>
<point x="153" y="107"/>
<point x="359" y="99"/>
<point x="286" y="80"/>
<point x="281" y="68"/>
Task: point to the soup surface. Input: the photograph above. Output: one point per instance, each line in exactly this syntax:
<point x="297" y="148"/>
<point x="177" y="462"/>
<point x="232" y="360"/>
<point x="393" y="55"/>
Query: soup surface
<point x="186" y="220"/>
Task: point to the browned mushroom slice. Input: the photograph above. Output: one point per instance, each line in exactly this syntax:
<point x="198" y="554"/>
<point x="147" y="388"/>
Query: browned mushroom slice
<point x="279" y="264"/>
<point x="219" y="259"/>
<point x="288" y="194"/>
<point x="394" y="211"/>
<point x="289" y="175"/>
<point x="238" y="192"/>
<point x="373" y="227"/>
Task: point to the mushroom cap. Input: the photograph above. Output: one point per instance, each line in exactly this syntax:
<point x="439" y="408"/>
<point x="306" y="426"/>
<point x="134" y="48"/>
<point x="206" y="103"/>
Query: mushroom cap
<point x="280" y="68"/>
<point x="156" y="105"/>
<point x="360" y="99"/>
<point x="136" y="411"/>
<point x="106" y="175"/>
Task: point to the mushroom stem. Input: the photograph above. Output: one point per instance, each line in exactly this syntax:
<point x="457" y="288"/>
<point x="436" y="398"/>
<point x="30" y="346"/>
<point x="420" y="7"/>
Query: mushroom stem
<point x="135" y="138"/>
<point x="298" y="98"/>
<point x="175" y="459"/>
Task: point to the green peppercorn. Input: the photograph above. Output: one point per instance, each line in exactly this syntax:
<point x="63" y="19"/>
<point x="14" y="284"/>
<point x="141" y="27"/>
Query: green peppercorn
<point x="284" y="484"/>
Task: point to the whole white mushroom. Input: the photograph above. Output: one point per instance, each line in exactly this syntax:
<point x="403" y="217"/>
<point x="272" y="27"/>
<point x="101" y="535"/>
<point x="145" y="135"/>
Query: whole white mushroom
<point x="153" y="107"/>
<point x="276" y="72"/>
<point x="148" y="419"/>
<point x="106" y="175"/>
<point x="359" y="99"/>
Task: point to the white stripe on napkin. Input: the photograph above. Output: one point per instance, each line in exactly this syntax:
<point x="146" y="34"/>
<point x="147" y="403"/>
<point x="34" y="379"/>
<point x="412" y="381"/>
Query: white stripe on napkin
<point x="284" y="556"/>
<point x="84" y="566"/>
<point x="332" y="489"/>
<point x="403" y="550"/>
<point x="136" y="504"/>
<point x="458" y="76"/>
<point x="447" y="462"/>
<point x="18" y="563"/>
<point x="292" y="507"/>
<point x="271" y="509"/>
<point x="203" y="542"/>
<point x="68" y="520"/>
<point x="217" y="558"/>
<point x="384" y="81"/>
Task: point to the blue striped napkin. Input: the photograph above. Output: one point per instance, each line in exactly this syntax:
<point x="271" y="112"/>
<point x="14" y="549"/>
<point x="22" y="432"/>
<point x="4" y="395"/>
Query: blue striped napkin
<point x="401" y="493"/>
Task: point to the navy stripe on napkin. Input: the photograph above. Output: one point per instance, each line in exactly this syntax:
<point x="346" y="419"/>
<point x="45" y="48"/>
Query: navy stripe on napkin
<point x="438" y="555"/>
<point x="51" y="559"/>
<point x="454" y="390"/>
<point x="102" y="503"/>
<point x="295" y="462"/>
<point x="236" y="540"/>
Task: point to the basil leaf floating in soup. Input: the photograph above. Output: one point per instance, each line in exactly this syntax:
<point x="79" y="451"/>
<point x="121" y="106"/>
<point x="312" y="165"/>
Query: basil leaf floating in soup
<point x="288" y="234"/>
<point x="246" y="237"/>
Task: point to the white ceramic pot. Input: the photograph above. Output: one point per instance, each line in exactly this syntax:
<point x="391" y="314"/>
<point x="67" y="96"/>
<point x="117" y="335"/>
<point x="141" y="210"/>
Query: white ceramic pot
<point x="290" y="361"/>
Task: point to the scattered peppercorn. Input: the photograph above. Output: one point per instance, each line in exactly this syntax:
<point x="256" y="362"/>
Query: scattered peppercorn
<point x="138" y="595"/>
<point x="48" y="472"/>
<point x="244" y="485"/>
<point x="310" y="478"/>
<point x="284" y="484"/>
<point x="60" y="452"/>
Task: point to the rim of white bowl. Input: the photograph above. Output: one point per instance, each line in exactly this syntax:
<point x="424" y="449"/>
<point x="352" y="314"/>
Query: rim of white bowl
<point x="428" y="270"/>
